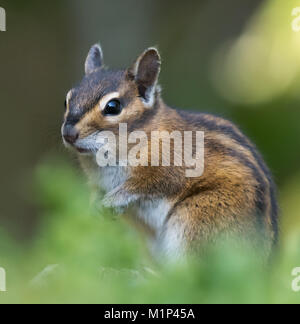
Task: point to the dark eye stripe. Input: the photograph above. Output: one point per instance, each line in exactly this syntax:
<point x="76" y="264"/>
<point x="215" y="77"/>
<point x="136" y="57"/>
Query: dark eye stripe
<point x="71" y="119"/>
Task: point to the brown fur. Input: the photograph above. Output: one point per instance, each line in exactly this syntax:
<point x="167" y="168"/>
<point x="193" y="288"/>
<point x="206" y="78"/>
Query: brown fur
<point x="235" y="195"/>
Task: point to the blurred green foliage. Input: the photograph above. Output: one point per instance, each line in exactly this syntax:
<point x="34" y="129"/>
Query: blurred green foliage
<point x="93" y="256"/>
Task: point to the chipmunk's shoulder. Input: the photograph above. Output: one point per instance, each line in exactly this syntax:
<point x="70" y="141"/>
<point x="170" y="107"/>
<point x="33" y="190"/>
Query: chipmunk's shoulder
<point x="217" y="125"/>
<point x="206" y="120"/>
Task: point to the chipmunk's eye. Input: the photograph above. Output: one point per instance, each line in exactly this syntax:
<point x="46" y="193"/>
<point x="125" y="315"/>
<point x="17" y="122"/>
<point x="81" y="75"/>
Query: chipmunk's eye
<point x="113" y="108"/>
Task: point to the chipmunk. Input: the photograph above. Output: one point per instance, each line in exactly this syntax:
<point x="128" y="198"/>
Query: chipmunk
<point x="235" y="195"/>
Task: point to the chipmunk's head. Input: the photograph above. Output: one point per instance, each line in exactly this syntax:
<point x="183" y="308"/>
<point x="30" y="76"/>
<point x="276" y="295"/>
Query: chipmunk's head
<point x="106" y="98"/>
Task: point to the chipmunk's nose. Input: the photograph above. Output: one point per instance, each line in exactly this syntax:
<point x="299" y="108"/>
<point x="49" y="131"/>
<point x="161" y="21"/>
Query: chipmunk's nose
<point x="70" y="134"/>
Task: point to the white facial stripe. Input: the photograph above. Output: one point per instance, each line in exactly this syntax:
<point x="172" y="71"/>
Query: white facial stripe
<point x="69" y="95"/>
<point x="68" y="98"/>
<point x="106" y="99"/>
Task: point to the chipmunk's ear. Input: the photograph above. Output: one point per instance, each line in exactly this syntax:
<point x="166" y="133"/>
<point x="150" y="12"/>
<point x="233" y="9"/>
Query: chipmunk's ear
<point x="94" y="59"/>
<point x="145" y="72"/>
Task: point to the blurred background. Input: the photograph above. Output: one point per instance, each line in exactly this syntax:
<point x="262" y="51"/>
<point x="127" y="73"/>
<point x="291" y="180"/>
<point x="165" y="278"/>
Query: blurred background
<point x="238" y="59"/>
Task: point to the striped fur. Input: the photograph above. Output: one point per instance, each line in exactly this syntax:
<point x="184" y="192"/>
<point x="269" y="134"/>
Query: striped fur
<point x="235" y="196"/>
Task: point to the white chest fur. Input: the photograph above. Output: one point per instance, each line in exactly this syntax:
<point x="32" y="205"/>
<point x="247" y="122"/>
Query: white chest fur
<point x="153" y="212"/>
<point x="168" y="241"/>
<point x="112" y="177"/>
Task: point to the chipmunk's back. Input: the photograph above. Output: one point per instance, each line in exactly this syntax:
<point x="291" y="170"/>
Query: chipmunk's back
<point x="224" y="137"/>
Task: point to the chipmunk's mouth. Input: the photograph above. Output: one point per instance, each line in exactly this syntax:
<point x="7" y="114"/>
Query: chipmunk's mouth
<point x="85" y="149"/>
<point x="78" y="149"/>
<point x="88" y="145"/>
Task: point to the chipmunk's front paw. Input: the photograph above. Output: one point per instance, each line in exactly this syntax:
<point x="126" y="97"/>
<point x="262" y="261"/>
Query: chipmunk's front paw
<point x="118" y="198"/>
<point x="107" y="201"/>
